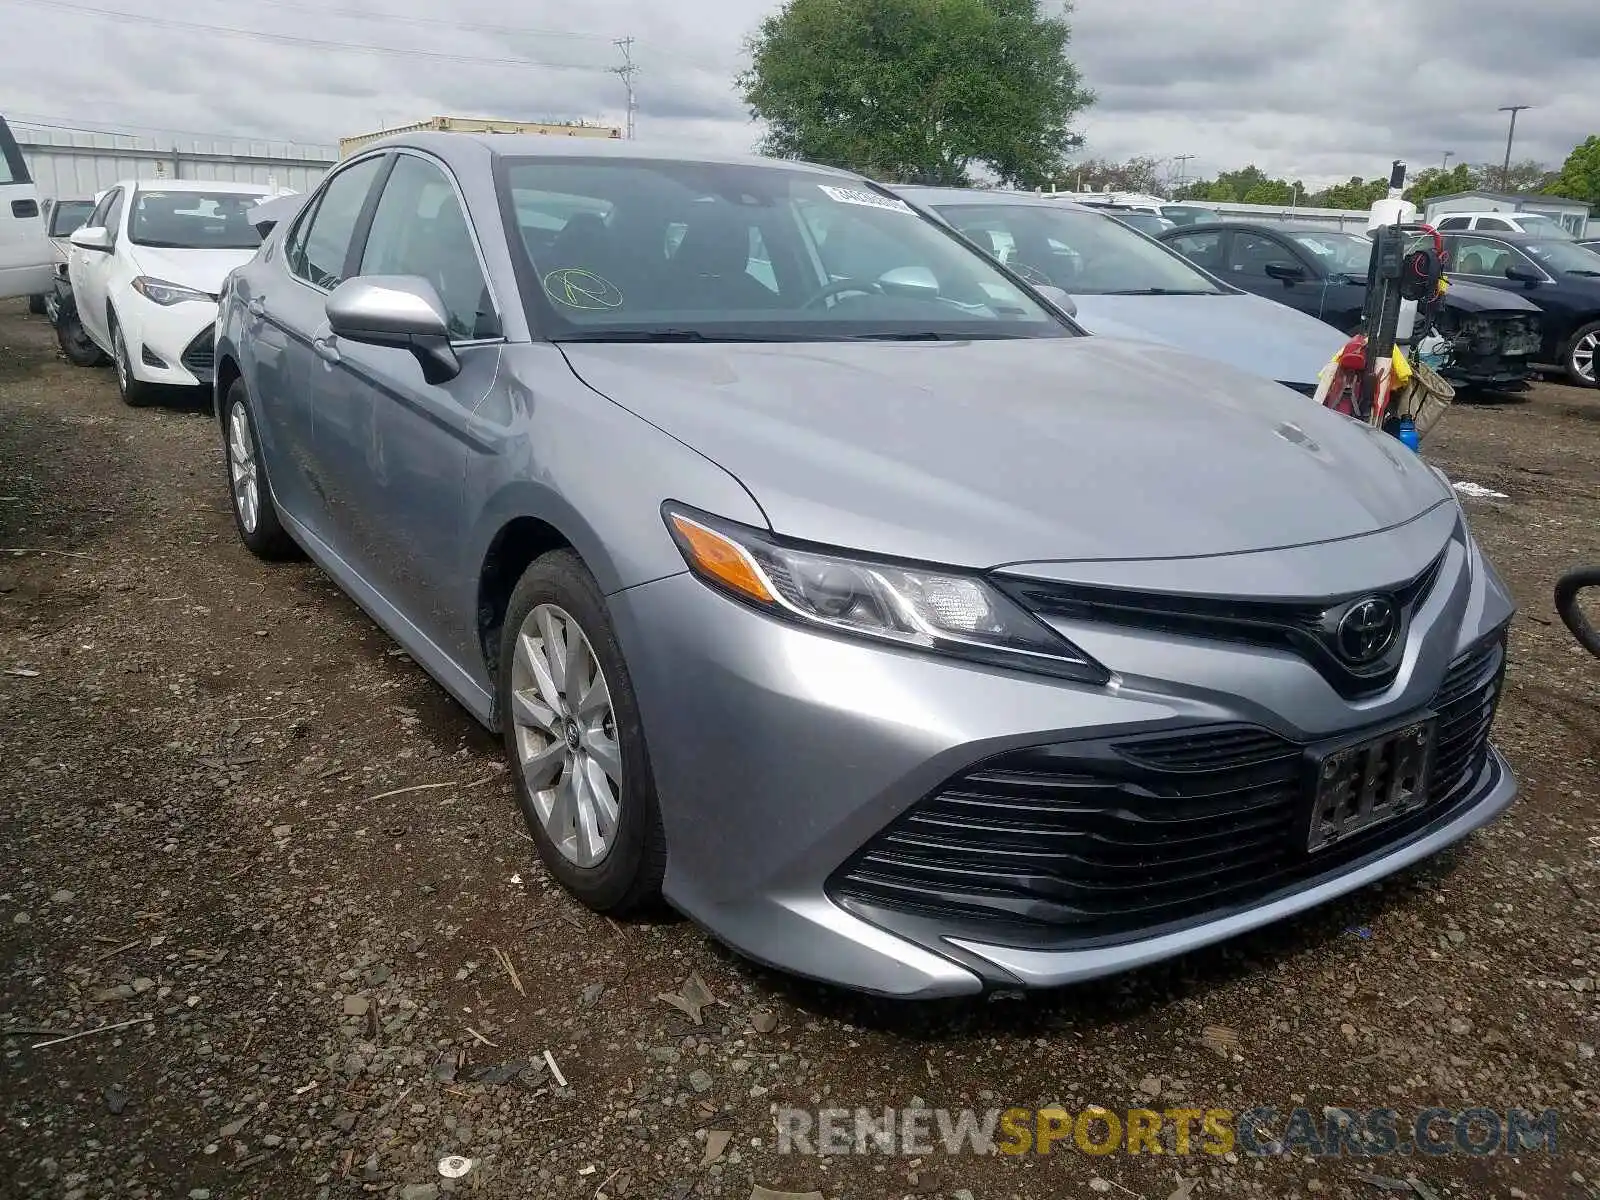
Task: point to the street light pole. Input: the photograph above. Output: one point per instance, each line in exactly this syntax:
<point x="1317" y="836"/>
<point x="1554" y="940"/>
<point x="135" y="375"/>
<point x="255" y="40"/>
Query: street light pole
<point x="1448" y="155"/>
<point x="1505" y="171"/>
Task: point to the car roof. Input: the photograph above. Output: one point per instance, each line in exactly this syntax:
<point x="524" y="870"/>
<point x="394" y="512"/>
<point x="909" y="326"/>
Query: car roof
<point x="461" y="149"/>
<point x="1289" y="227"/>
<point x="1502" y="235"/>
<point x="937" y="196"/>
<point x="193" y="185"/>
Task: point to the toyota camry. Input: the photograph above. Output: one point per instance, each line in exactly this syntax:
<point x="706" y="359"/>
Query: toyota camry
<point x="827" y="582"/>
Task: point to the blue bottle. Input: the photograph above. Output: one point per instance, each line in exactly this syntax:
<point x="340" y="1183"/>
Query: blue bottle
<point x="1408" y="434"/>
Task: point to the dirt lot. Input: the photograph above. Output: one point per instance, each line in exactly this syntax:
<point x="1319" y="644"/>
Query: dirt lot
<point x="239" y="820"/>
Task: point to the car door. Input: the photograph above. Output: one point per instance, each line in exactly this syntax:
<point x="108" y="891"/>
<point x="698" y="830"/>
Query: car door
<point x="1483" y="259"/>
<point x="90" y="271"/>
<point x="399" y="444"/>
<point x="288" y="322"/>
<point x="1253" y="256"/>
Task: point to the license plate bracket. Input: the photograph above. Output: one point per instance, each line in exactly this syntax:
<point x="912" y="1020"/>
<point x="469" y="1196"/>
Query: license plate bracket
<point x="1368" y="781"/>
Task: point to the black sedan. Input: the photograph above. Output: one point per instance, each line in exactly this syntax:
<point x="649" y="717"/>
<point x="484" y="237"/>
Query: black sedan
<point x="1562" y="278"/>
<point x="1492" y="337"/>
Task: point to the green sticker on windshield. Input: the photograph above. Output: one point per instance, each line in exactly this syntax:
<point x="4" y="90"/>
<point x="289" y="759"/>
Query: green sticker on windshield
<point x="576" y="288"/>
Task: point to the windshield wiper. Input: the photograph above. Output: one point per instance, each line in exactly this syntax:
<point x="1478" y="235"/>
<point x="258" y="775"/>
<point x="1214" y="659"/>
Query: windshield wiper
<point x="1158" y="291"/>
<point x="666" y="335"/>
<point x="1582" y="271"/>
<point x="918" y="335"/>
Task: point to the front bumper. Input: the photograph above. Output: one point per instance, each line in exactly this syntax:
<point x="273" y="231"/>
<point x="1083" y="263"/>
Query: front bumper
<point x="171" y="344"/>
<point x="779" y="754"/>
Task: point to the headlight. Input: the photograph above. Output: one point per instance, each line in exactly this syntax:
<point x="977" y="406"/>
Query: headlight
<point x="159" y="291"/>
<point x="954" y="614"/>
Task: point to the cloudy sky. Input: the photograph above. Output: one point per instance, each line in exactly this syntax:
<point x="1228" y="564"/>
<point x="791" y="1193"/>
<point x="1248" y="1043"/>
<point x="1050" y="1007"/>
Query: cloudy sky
<point x="1303" y="88"/>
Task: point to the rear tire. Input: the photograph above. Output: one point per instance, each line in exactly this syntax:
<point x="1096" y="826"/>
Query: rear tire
<point x="574" y="801"/>
<point x="255" y="515"/>
<point x="75" y="343"/>
<point x="1581" y="358"/>
<point x="134" y="393"/>
<point x="36" y="305"/>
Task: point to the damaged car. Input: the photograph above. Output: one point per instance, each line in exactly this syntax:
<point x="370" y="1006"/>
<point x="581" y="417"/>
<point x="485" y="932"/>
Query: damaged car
<point x="1490" y="337"/>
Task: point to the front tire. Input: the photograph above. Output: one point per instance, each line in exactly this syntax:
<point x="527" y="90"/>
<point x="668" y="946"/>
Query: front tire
<point x="1582" y="358"/>
<point x="254" y="513"/>
<point x="134" y="392"/>
<point x="575" y="742"/>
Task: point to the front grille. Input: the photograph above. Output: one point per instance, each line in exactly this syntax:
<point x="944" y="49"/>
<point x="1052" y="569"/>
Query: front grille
<point x="1303" y="628"/>
<point x="200" y="355"/>
<point x="1101" y="841"/>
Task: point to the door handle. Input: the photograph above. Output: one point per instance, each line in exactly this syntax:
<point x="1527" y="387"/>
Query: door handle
<point x="327" y="348"/>
<point x="256" y="306"/>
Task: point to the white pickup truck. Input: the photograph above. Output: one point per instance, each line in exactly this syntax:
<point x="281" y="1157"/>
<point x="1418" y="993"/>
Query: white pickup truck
<point x="27" y="265"/>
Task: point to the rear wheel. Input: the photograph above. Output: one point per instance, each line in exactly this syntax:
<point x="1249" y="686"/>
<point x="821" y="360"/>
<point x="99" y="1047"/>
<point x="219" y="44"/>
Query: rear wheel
<point x="36" y="305"/>
<point x="134" y="392"/>
<point x="1583" y="356"/>
<point x="573" y="735"/>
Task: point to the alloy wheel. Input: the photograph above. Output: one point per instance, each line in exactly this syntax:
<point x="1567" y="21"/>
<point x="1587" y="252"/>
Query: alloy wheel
<point x="566" y="735"/>
<point x="1583" y="355"/>
<point x="120" y="353"/>
<point x="242" y="467"/>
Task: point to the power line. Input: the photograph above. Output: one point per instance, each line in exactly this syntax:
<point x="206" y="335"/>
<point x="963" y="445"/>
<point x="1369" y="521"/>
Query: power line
<point x="627" y="70"/>
<point x="391" y="19"/>
<point x="284" y="39"/>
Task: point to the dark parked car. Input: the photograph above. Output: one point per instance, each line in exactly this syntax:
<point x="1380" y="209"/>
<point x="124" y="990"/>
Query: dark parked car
<point x="1561" y="278"/>
<point x="1144" y="222"/>
<point x="1491" y="339"/>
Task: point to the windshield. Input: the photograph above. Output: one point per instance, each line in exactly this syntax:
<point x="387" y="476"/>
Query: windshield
<point x="1084" y="253"/>
<point x="1545" y="227"/>
<point x="193" y="220"/>
<point x="1564" y="258"/>
<point x="68" y="216"/>
<point x="1145" y="222"/>
<point x="1339" y="253"/>
<point x="664" y="250"/>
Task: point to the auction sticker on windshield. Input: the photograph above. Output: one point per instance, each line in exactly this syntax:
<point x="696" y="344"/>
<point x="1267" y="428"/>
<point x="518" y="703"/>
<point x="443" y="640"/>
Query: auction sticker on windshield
<point x="865" y="199"/>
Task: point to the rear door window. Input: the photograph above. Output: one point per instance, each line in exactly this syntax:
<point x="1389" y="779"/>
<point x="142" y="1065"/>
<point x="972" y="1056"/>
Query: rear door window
<point x="1202" y="249"/>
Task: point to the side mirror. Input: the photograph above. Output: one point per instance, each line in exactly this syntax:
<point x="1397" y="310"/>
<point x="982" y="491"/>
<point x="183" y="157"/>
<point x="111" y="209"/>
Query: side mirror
<point x="1287" y="272"/>
<point x="96" y="237"/>
<point x="1057" y="298"/>
<point x="402" y="311"/>
<point x="1525" y="275"/>
<point x="917" y="283"/>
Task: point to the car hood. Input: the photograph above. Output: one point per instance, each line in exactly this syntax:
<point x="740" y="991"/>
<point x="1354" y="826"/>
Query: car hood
<point x="1259" y="336"/>
<point x="990" y="452"/>
<point x="201" y="269"/>
<point x="1481" y="298"/>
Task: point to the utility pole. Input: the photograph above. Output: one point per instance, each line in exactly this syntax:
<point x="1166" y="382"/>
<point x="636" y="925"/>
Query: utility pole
<point x="1505" y="171"/>
<point x="1183" y="169"/>
<point x="1448" y="155"/>
<point x="627" y="70"/>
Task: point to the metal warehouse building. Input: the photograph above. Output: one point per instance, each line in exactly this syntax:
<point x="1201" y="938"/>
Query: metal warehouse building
<point x="74" y="164"/>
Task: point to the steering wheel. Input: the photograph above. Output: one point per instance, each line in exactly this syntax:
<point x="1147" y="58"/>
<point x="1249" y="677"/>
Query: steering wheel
<point x="840" y="287"/>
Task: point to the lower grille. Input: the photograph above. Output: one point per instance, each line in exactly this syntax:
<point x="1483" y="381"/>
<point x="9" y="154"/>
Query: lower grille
<point x="1105" y="840"/>
<point x="200" y="355"/>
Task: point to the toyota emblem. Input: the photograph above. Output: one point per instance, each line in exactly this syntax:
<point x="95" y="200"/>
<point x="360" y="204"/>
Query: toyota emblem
<point x="1367" y="629"/>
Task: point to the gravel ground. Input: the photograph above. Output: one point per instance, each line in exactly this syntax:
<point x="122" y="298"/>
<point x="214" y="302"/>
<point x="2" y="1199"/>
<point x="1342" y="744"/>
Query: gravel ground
<point x="242" y="824"/>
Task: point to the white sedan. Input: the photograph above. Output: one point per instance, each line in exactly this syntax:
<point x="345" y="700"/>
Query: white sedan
<point x="146" y="268"/>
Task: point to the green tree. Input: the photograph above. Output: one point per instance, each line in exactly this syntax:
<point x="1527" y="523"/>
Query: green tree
<point x="1356" y="193"/>
<point x="1098" y="175"/>
<point x="1579" y="177"/>
<point x="1434" y="181"/>
<point x="917" y="90"/>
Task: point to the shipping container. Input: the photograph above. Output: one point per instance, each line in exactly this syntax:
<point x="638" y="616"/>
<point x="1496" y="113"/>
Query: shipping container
<point x="349" y="145"/>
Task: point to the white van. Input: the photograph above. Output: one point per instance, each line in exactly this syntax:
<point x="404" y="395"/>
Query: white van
<point x="27" y="265"/>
